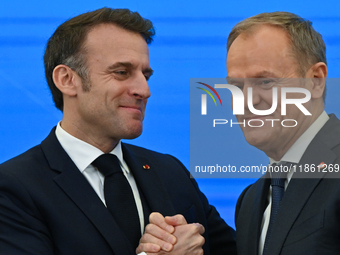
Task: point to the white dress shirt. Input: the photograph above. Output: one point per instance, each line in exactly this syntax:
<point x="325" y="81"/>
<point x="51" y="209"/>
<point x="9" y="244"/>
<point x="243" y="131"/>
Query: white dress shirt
<point x="83" y="154"/>
<point x="294" y="154"/>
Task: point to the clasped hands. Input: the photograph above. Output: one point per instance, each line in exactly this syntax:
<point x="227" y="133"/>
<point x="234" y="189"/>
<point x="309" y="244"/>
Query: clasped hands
<point x="171" y="235"/>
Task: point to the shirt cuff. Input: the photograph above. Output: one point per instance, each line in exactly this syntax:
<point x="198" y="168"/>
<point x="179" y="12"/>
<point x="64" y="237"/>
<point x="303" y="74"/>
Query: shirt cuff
<point x="142" y="253"/>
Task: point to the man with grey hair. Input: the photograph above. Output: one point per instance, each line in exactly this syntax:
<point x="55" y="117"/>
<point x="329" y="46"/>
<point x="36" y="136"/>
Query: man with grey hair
<point x="289" y="211"/>
<point x="294" y="208"/>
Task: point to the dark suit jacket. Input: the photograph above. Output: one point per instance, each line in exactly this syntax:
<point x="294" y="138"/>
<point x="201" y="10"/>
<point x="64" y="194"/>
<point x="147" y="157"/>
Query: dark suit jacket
<point x="48" y="207"/>
<point x="308" y="220"/>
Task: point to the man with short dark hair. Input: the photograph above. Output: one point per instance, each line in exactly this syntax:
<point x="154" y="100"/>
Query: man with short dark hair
<point x="83" y="191"/>
<point x="292" y="209"/>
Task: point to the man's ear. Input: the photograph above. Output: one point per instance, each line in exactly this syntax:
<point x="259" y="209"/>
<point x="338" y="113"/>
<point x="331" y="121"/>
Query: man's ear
<point x="318" y="73"/>
<point x="65" y="79"/>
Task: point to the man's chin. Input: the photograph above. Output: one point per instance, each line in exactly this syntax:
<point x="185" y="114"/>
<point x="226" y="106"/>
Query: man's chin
<point x="256" y="139"/>
<point x="132" y="134"/>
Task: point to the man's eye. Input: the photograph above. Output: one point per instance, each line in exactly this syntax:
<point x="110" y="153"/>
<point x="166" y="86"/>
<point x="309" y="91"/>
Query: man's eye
<point x="267" y="83"/>
<point x="121" y="72"/>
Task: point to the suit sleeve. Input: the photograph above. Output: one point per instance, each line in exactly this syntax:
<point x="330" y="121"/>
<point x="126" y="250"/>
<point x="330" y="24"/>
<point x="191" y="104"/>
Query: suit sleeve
<point x="22" y="230"/>
<point x="221" y="237"/>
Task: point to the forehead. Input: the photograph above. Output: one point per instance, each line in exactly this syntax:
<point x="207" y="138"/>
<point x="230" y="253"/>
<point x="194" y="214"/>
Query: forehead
<point x="108" y="41"/>
<point x="265" y="48"/>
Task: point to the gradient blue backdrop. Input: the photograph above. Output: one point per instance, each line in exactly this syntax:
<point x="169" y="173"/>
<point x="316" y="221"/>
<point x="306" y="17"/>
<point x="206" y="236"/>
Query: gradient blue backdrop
<point x="190" y="43"/>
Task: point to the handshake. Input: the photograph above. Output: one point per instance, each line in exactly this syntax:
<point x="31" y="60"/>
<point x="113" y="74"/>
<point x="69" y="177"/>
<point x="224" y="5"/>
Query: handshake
<point x="171" y="235"/>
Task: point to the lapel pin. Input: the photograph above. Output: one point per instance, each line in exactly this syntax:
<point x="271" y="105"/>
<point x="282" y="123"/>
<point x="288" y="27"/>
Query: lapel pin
<point x="146" y="167"/>
<point x="322" y="165"/>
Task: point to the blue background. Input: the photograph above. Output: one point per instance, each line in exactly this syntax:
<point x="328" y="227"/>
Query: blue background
<point x="189" y="43"/>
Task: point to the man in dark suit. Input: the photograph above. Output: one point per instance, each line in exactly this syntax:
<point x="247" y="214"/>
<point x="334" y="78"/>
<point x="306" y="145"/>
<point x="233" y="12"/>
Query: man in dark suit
<point x="297" y="211"/>
<point x="54" y="198"/>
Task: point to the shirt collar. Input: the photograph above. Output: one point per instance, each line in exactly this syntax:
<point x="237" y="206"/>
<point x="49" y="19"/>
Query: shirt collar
<point x="82" y="153"/>
<point x="295" y="152"/>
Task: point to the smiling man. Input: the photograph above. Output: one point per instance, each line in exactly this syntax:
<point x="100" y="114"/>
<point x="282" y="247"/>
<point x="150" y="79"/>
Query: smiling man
<point x="83" y="191"/>
<point x="296" y="212"/>
<point x="263" y="63"/>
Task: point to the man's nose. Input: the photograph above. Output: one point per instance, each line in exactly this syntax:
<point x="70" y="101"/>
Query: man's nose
<point x="251" y="95"/>
<point x="140" y="88"/>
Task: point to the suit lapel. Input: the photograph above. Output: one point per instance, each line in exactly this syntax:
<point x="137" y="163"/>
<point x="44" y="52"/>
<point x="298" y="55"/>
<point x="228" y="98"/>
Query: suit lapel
<point x="148" y="182"/>
<point x="251" y="220"/>
<point x="300" y="188"/>
<point x="75" y="185"/>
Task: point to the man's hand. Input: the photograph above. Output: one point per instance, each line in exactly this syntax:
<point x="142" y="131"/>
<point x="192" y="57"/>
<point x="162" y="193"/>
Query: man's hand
<point x="171" y="235"/>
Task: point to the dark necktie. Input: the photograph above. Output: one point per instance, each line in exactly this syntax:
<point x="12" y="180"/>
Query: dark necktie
<point x="119" y="197"/>
<point x="278" y="189"/>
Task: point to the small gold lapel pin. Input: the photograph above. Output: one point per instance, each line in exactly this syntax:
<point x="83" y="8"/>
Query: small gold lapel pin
<point x="146" y="167"/>
<point x="322" y="165"/>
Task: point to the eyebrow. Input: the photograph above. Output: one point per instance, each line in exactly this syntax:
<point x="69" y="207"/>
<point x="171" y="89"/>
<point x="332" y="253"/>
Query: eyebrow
<point x="262" y="74"/>
<point x="129" y="65"/>
<point x="266" y="74"/>
<point x="233" y="80"/>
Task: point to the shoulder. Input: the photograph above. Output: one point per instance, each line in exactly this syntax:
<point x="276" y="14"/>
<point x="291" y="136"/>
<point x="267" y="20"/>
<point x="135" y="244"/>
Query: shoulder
<point x="330" y="132"/>
<point x="31" y="156"/>
<point x="26" y="166"/>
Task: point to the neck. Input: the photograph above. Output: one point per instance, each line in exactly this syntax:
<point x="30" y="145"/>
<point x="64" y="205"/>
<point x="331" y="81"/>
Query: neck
<point x="106" y="145"/>
<point x="279" y="151"/>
